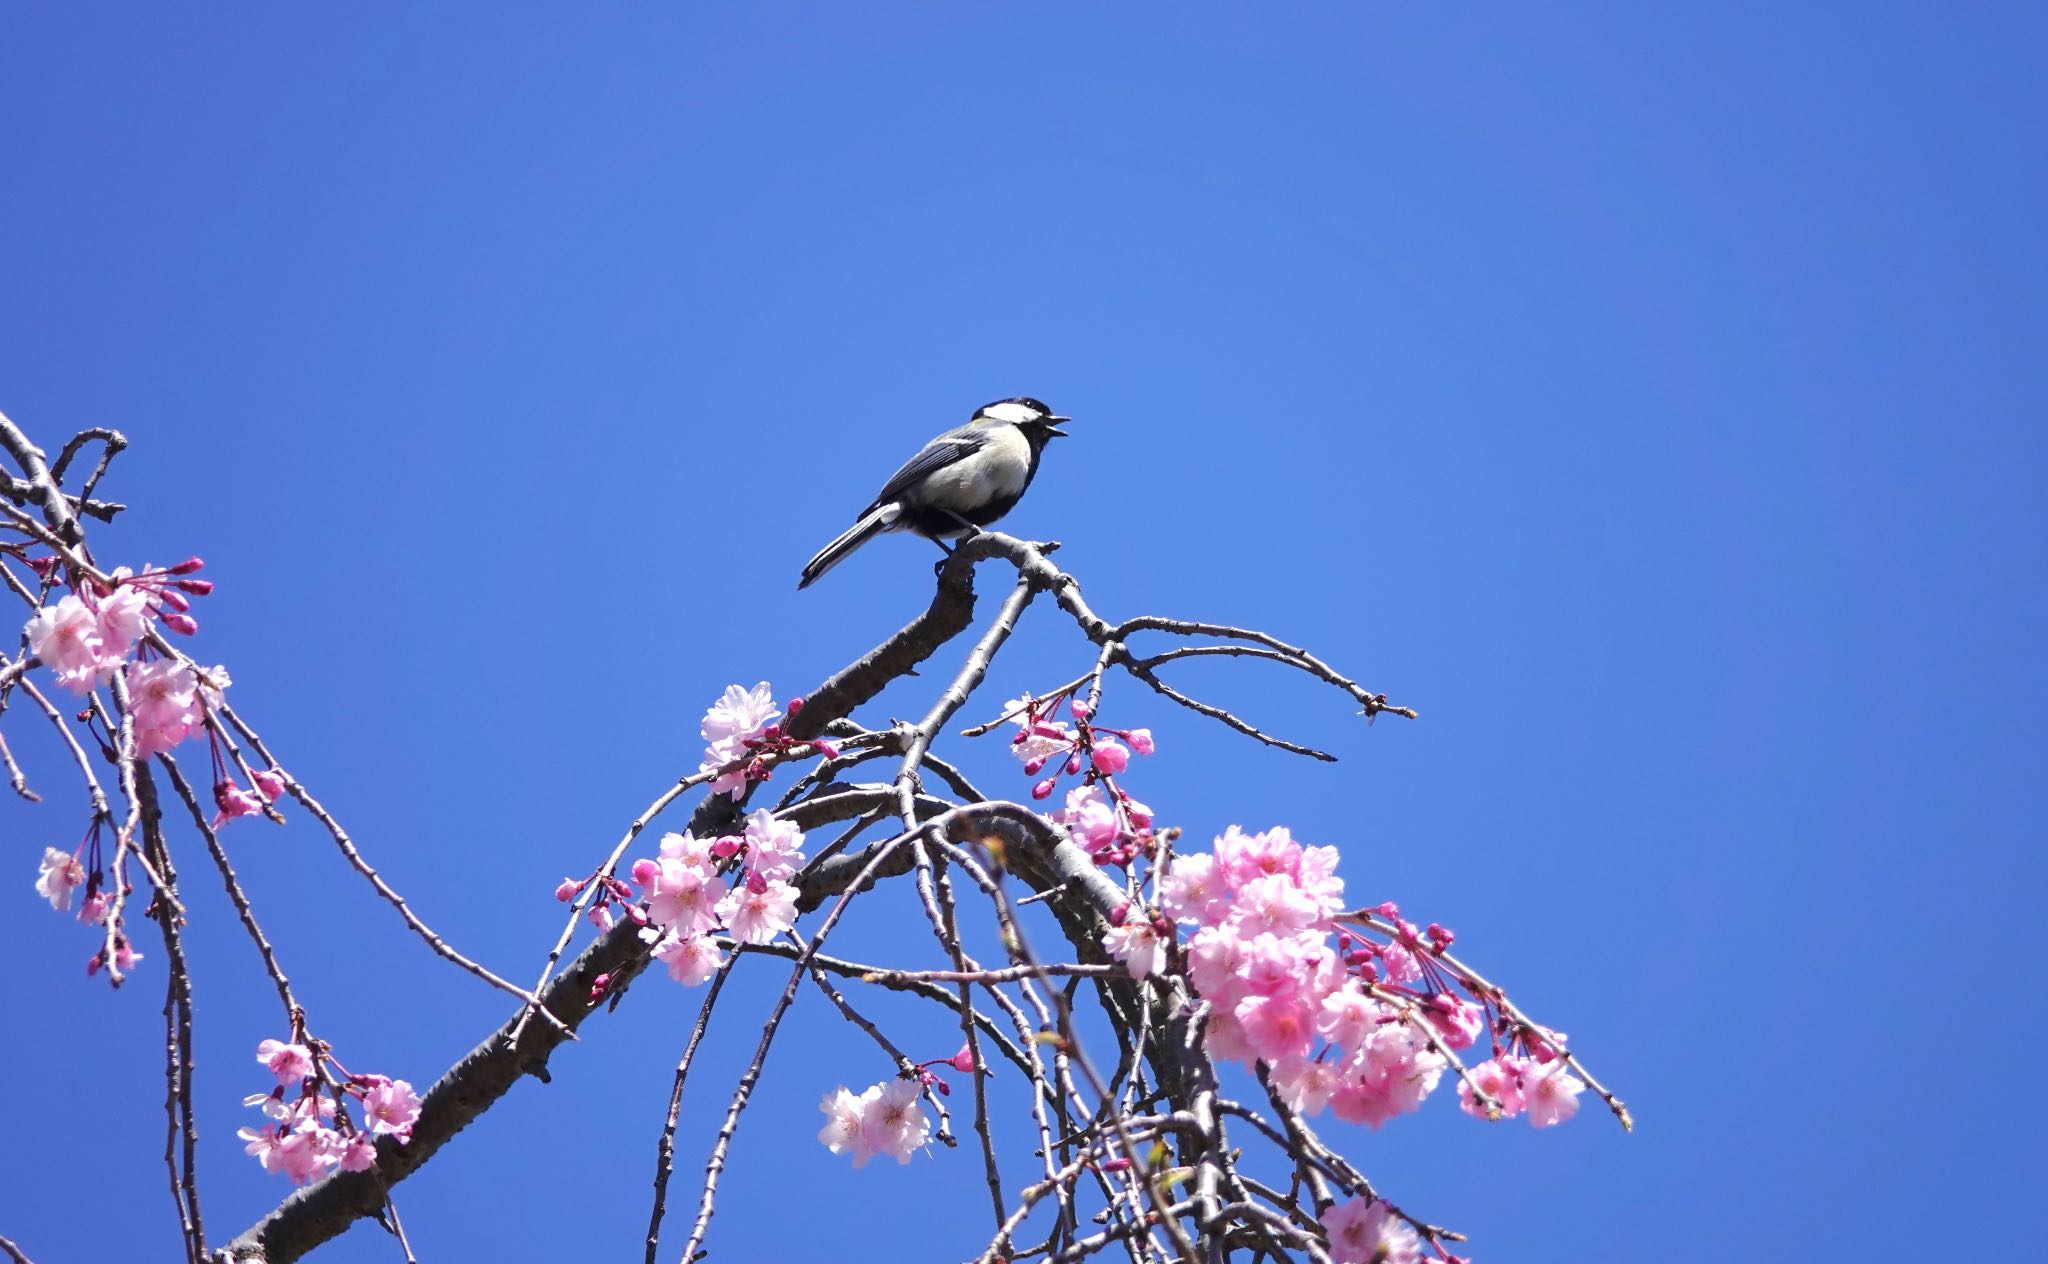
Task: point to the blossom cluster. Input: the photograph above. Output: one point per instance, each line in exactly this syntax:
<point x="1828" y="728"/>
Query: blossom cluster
<point x="1354" y="1028"/>
<point x="885" y="1119"/>
<point x="688" y="896"/>
<point x="88" y="634"/>
<point x="740" y="732"/>
<point x="1368" y="1231"/>
<point x="310" y="1132"/>
<point x="1099" y="814"/>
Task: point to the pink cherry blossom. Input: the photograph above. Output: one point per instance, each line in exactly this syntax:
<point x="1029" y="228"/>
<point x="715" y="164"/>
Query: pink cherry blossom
<point x="67" y="637"/>
<point x="122" y="620"/>
<point x="756" y="917"/>
<point x="1349" y="1017"/>
<point x="1141" y="741"/>
<point x="1304" y="1083"/>
<point x="688" y="848"/>
<point x="1501" y="1082"/>
<point x="1111" y="756"/>
<point x="303" y="1153"/>
<point x="1139" y="945"/>
<point x="1551" y="1094"/>
<point x="1194" y="889"/>
<point x="891" y="1121"/>
<point x="1458" y="1021"/>
<point x="61" y="874"/>
<point x="289" y="1063"/>
<point x="1277" y="1026"/>
<point x="359" y="1154"/>
<point x="1041" y="738"/>
<point x="691" y="959"/>
<point x="774" y="847"/>
<point x="1089" y="817"/>
<point x="164" y="698"/>
<point x="1364" y="1232"/>
<point x="844" y="1110"/>
<point x="681" y="896"/>
<point x="269" y="783"/>
<point x="1273" y="904"/>
<point x="739" y="715"/>
<point x="392" y="1108"/>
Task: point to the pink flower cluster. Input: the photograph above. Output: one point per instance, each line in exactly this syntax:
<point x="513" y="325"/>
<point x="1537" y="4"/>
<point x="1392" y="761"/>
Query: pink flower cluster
<point x="310" y="1135"/>
<point x="90" y="633"/>
<point x="1546" y="1090"/>
<point x="886" y="1119"/>
<point x="1099" y="815"/>
<point x="1366" y="1231"/>
<point x="688" y="898"/>
<point x="740" y="729"/>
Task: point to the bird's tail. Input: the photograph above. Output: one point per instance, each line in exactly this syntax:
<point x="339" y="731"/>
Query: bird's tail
<point x="871" y="524"/>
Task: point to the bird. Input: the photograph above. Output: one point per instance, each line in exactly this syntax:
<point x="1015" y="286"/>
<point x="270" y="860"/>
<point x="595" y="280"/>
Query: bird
<point x="962" y="481"/>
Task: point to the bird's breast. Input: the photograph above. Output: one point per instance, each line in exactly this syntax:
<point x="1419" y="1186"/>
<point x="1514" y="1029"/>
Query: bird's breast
<point x="997" y="471"/>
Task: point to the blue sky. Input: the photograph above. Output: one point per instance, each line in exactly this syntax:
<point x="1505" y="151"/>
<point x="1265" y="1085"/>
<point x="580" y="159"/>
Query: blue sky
<point x="1641" y="392"/>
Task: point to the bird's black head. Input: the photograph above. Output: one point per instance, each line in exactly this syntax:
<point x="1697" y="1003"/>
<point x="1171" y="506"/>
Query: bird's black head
<point x="1027" y="414"/>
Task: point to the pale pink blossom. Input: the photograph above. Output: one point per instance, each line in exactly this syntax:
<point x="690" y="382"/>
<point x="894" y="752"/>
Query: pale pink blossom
<point x="391" y="1108"/>
<point x="1041" y="739"/>
<point x="1194" y="889"/>
<point x="691" y="959"/>
<point x="680" y="896"/>
<point x="61" y="874"/>
<point x="303" y="1153"/>
<point x="843" y="1112"/>
<point x="1551" y="1094"/>
<point x="290" y="1063"/>
<point x="1399" y="965"/>
<point x="688" y="848"/>
<point x="1138" y="944"/>
<point x="67" y="637"/>
<point x="1370" y="1233"/>
<point x="891" y="1121"/>
<point x="1305" y="1084"/>
<point x="774" y="847"/>
<point x="1349" y="1016"/>
<point x="164" y="702"/>
<point x="94" y="908"/>
<point x="262" y="1143"/>
<point x="1272" y="903"/>
<point x="269" y="783"/>
<point x="739" y="715"/>
<point x="756" y="917"/>
<point x="1216" y="955"/>
<point x="233" y="802"/>
<point x="1141" y="741"/>
<point x="1458" y="1021"/>
<point x="359" y="1154"/>
<point x="123" y="618"/>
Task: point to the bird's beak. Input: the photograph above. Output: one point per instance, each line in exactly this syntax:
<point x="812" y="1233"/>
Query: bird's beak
<point x="1052" y="426"/>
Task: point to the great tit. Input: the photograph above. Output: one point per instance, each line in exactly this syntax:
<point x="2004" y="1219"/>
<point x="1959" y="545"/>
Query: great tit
<point x="963" y="480"/>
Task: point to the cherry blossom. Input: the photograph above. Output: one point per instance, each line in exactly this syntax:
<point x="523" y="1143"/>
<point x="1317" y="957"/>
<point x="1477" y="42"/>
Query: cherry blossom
<point x="691" y="959"/>
<point x="1139" y="945"/>
<point x="290" y="1063"/>
<point x="739" y="716"/>
<point x="1363" y="1232"/>
<point x="392" y="1108"/>
<point x="61" y="875"/>
<point x="68" y="638"/>
<point x="1552" y="1094"/>
<point x="758" y="916"/>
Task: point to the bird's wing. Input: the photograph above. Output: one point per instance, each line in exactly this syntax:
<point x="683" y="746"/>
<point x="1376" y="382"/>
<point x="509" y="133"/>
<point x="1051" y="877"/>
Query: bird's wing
<point x="937" y="455"/>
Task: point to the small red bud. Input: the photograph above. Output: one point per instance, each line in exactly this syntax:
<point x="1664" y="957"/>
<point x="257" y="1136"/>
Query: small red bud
<point x="197" y="587"/>
<point x="1043" y="789"/>
<point x="795" y="707"/>
<point x="173" y="600"/>
<point x="567" y="891"/>
<point x="1032" y="767"/>
<point x="1118" y="1164"/>
<point x="1119" y="915"/>
<point x="598" y="985"/>
<point x="182" y="624"/>
<point x="1074" y="763"/>
<point x="1081" y="709"/>
<point x="188" y="566"/>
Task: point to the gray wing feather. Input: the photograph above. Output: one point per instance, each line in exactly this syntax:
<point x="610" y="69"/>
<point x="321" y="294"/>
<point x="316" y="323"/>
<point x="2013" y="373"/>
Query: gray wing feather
<point x="937" y="455"/>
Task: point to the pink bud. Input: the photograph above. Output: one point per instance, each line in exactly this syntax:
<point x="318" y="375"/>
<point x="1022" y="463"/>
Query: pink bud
<point x="772" y="734"/>
<point x="795" y="707"/>
<point x="197" y="587"/>
<point x="1389" y="909"/>
<point x="756" y="883"/>
<point x="567" y="891"/>
<point x="1118" y="1164"/>
<point x="188" y="566"/>
<point x="597" y="987"/>
<point x="173" y="601"/>
<point x="182" y="624"/>
<point x="42" y="566"/>
<point x="1042" y="790"/>
<point x="945" y="1089"/>
<point x="1032" y="767"/>
<point x="728" y="847"/>
<point x="962" y="1061"/>
<point x="600" y="916"/>
<point x="268" y="783"/>
<point x="1081" y="709"/>
<point x="1112" y="757"/>
<point x="1119" y="915"/>
<point x="98" y="959"/>
<point x="1073" y="763"/>
<point x="827" y="749"/>
<point x="1141" y="741"/>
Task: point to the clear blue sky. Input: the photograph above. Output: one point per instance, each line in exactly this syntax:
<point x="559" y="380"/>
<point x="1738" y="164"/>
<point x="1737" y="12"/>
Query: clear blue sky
<point x="1651" y="395"/>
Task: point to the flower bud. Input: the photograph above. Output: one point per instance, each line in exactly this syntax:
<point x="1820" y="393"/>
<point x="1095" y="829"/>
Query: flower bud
<point x="197" y="587"/>
<point x="182" y="624"/>
<point x="598" y="985"/>
<point x="567" y="891"/>
<point x="173" y="601"/>
<point x="728" y="847"/>
<point x="1120" y="1163"/>
<point x="1141" y="741"/>
<point x="1042" y="790"/>
<point x="42" y="566"/>
<point x="827" y="749"/>
<point x="645" y="871"/>
<point x="1111" y="757"/>
<point x="268" y="783"/>
<point x="756" y="883"/>
<point x="188" y="566"/>
<point x="1032" y="767"/>
<point x="772" y="734"/>
<point x="1120" y="914"/>
<point x="962" y="1061"/>
<point x="795" y="707"/>
<point x="1074" y="763"/>
<point x="1081" y="709"/>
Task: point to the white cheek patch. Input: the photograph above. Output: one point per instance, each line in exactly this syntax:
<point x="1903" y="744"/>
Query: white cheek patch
<point x="1015" y="414"/>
